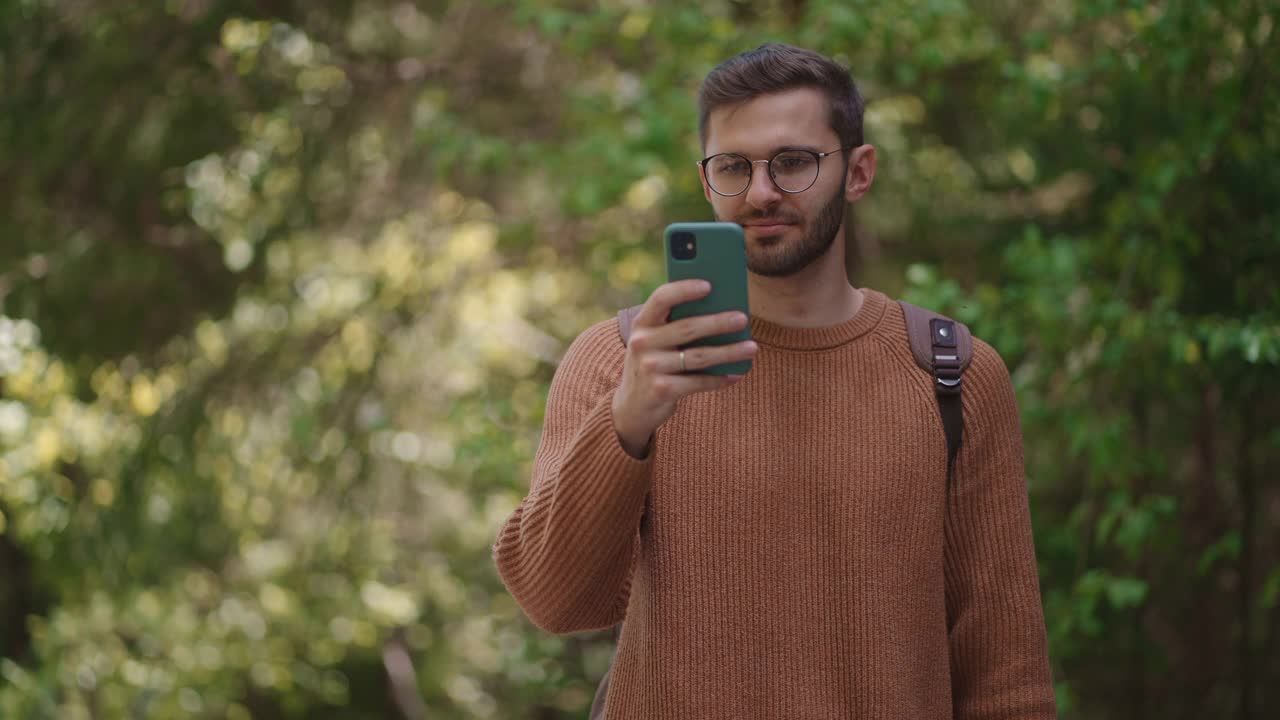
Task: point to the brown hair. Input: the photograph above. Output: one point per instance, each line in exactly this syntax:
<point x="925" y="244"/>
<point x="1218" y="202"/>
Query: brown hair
<point x="774" y="67"/>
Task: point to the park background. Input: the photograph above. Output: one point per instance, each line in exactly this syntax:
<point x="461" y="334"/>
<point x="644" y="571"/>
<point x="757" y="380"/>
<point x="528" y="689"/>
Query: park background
<point x="283" y="285"/>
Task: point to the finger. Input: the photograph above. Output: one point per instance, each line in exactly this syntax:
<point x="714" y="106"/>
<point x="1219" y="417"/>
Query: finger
<point x="685" y="331"/>
<point x="667" y="296"/>
<point x="670" y="362"/>
<point x="700" y="358"/>
<point x="687" y="361"/>
<point x="696" y="383"/>
<point x="712" y="356"/>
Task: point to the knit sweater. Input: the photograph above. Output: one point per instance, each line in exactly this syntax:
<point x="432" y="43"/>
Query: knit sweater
<point x="786" y="548"/>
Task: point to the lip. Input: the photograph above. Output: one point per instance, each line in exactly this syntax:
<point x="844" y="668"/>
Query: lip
<point x="769" y="228"/>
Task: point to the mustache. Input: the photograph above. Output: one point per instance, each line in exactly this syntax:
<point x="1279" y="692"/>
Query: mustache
<point x="744" y="220"/>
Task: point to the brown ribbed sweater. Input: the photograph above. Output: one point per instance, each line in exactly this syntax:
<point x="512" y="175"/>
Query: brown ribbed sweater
<point x="797" y="559"/>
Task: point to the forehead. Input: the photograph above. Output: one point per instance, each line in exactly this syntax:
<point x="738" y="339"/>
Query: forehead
<point x="793" y="118"/>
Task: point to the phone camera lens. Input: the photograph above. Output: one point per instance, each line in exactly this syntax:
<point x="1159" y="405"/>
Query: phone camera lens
<point x="684" y="246"/>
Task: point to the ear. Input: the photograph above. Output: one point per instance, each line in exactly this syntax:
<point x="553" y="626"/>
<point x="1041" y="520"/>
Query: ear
<point x="862" y="171"/>
<point x="702" y="175"/>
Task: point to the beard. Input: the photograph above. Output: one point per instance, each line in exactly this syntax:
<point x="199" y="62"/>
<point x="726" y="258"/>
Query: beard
<point x="782" y="260"/>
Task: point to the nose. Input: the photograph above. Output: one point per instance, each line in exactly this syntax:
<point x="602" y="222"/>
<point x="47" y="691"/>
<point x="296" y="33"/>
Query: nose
<point x="762" y="193"/>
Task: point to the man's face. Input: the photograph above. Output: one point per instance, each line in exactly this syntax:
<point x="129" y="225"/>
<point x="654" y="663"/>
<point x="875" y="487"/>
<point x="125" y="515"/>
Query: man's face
<point x="785" y="232"/>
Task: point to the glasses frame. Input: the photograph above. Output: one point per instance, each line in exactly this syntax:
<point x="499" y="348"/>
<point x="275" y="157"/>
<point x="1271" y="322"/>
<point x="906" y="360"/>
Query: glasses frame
<point x="769" y="164"/>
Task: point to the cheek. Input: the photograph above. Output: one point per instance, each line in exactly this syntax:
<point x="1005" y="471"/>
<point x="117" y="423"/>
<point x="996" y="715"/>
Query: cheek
<point x="725" y="208"/>
<point x="826" y="193"/>
<point x="807" y="208"/>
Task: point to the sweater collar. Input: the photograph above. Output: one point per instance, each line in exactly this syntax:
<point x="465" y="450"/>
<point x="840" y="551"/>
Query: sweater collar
<point x="820" y="338"/>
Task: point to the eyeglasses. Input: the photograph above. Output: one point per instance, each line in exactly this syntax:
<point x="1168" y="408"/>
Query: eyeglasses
<point x="792" y="171"/>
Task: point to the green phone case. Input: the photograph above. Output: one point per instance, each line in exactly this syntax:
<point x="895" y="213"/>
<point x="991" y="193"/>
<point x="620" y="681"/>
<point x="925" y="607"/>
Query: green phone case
<point x="722" y="259"/>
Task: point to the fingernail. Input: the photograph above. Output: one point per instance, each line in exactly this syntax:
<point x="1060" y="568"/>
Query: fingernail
<point x="734" y="378"/>
<point x="704" y="286"/>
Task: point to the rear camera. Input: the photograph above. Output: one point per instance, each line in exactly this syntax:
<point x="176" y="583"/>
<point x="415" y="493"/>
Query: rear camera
<point x="684" y="246"/>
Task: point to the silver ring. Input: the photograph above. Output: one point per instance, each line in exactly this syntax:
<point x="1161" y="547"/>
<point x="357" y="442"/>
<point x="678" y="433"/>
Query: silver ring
<point x="682" y="367"/>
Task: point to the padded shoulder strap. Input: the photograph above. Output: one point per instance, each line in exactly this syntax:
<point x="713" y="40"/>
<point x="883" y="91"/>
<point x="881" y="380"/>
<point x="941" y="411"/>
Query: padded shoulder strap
<point x="625" y="318"/>
<point x="921" y="332"/>
<point x="944" y="348"/>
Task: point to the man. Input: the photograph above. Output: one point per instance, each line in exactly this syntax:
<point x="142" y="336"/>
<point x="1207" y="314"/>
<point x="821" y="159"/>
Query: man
<point x="781" y="544"/>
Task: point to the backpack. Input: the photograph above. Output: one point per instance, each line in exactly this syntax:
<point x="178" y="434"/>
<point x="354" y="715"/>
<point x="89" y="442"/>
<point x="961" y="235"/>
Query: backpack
<point x="941" y="346"/>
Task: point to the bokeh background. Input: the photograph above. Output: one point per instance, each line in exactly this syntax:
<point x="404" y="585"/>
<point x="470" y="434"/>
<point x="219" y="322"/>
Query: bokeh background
<point x="283" y="285"/>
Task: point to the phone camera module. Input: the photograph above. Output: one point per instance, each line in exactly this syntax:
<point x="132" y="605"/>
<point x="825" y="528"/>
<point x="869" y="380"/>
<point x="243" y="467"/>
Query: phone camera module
<point x="684" y="246"/>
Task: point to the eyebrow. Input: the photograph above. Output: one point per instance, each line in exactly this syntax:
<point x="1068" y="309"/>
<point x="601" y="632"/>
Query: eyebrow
<point x="782" y="148"/>
<point x="775" y="150"/>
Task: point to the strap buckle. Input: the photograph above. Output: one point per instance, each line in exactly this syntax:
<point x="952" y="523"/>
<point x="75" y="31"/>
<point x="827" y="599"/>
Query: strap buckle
<point x="946" y="359"/>
<point x="946" y="375"/>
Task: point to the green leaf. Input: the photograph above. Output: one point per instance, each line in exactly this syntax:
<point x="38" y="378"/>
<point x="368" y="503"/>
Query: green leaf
<point x="1126" y="592"/>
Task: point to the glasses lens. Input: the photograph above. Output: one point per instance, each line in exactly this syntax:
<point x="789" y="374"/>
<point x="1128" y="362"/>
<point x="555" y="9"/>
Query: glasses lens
<point x="794" y="170"/>
<point x="728" y="174"/>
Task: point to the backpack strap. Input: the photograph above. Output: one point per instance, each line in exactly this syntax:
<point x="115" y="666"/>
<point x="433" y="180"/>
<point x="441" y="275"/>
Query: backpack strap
<point x="943" y="348"/>
<point x="625" y="317"/>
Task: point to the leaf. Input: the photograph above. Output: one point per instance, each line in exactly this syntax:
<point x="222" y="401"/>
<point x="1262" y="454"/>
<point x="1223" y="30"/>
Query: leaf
<point x="1126" y="592"/>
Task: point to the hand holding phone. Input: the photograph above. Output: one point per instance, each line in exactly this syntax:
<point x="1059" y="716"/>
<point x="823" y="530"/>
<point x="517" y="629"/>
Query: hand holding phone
<point x="653" y="375"/>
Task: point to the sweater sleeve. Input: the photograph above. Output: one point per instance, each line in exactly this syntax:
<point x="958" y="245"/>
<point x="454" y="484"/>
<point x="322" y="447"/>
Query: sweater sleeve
<point x="999" y="651"/>
<point x="566" y="553"/>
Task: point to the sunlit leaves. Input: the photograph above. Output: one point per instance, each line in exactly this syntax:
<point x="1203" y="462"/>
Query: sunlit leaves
<point x="388" y="219"/>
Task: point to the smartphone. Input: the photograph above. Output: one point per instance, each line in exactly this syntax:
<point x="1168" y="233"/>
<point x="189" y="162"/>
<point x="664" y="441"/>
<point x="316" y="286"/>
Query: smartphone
<point x="716" y="252"/>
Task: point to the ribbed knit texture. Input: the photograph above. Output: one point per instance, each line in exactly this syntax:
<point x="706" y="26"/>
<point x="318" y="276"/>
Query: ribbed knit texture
<point x="798" y="559"/>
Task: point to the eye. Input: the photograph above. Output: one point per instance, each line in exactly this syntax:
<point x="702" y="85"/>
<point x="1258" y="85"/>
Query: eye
<point x="731" y="166"/>
<point x="793" y="161"/>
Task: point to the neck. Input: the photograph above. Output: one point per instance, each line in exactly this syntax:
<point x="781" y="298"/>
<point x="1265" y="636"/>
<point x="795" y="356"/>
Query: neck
<point x="818" y="296"/>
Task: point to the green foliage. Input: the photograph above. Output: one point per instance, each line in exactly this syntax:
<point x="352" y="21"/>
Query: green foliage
<point x="283" y="285"/>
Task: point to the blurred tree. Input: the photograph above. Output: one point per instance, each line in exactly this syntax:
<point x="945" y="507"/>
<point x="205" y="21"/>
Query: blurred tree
<point x="281" y="298"/>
